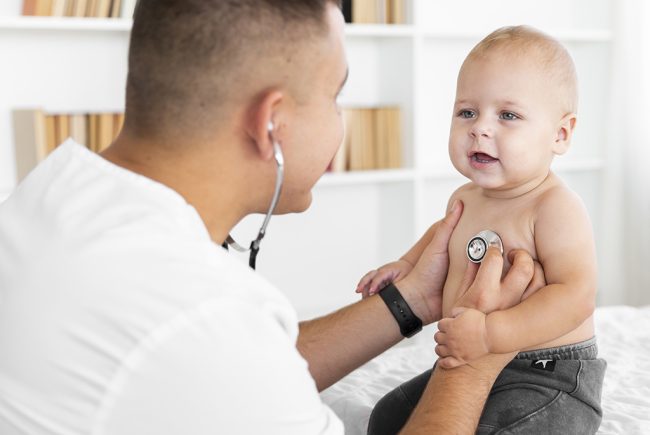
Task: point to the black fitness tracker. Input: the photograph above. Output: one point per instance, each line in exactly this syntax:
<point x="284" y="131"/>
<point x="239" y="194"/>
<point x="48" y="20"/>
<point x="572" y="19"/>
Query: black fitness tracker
<point x="409" y="323"/>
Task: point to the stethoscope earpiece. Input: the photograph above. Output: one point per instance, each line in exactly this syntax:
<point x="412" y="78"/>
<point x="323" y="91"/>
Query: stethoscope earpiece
<point x="255" y="244"/>
<point x="478" y="245"/>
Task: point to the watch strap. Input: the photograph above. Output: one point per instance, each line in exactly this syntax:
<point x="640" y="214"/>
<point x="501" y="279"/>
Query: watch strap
<point x="409" y="323"/>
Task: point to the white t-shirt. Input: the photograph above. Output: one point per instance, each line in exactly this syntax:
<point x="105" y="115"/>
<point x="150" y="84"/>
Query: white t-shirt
<point x="119" y="315"/>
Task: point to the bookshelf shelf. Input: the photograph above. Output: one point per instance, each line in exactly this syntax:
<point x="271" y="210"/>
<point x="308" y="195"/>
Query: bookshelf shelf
<point x="65" y="23"/>
<point x="379" y="30"/>
<point x="587" y="35"/>
<point x="366" y="177"/>
<point x="124" y="25"/>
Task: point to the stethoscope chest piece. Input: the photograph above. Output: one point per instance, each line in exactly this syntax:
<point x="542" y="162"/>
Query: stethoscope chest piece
<point x="478" y="245"/>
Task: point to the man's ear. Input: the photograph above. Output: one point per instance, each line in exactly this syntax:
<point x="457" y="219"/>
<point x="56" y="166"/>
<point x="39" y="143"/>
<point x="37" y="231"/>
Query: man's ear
<point x="262" y="112"/>
<point x="564" y="134"/>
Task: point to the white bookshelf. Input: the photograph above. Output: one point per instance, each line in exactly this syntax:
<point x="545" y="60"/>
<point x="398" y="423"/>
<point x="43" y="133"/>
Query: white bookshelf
<point x="65" y="23"/>
<point x="358" y="220"/>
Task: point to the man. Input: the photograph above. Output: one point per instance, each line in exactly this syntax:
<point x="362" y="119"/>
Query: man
<point x="120" y="313"/>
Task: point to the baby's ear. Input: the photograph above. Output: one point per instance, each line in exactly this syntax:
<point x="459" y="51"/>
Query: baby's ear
<point x="564" y="134"/>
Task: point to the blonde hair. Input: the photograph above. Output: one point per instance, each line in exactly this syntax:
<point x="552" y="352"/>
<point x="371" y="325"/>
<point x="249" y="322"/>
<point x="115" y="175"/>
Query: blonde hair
<point x="550" y="54"/>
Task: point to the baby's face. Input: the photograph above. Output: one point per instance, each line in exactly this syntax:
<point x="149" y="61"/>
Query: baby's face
<point x="505" y="123"/>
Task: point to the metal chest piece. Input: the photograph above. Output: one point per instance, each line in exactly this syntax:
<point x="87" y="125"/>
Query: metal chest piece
<point x="478" y="245"/>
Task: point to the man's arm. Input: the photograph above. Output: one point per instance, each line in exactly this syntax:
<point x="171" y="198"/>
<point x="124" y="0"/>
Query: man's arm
<point x="464" y="390"/>
<point x="331" y="344"/>
<point x="453" y="400"/>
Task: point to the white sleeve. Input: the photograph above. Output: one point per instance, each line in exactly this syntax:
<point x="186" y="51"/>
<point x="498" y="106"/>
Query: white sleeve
<point x="228" y="369"/>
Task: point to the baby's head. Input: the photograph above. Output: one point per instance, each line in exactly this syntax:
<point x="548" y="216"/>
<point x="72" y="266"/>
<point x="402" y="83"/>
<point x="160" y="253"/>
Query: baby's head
<point x="515" y="108"/>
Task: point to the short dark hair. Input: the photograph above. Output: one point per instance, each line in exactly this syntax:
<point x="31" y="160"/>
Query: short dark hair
<point x="187" y="56"/>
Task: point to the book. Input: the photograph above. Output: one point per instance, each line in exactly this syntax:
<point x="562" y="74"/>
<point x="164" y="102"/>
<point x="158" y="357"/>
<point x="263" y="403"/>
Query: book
<point x="388" y="136"/>
<point x="58" y="8"/>
<point x="116" y="8"/>
<point x="30" y="140"/>
<point x="360" y="139"/>
<point x="91" y="8"/>
<point x="382" y="138"/>
<point x="128" y="7"/>
<point x="105" y="131"/>
<point x="50" y="134"/>
<point x="79" y="9"/>
<point x="62" y="123"/>
<point x="365" y="11"/>
<point x="79" y="129"/>
<point x="43" y="7"/>
<point x="397" y="12"/>
<point x="93" y="132"/>
<point x="102" y="8"/>
<point x="29" y="7"/>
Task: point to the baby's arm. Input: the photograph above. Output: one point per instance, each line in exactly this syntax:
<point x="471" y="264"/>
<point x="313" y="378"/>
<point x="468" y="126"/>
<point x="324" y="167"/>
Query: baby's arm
<point x="565" y="248"/>
<point x="375" y="280"/>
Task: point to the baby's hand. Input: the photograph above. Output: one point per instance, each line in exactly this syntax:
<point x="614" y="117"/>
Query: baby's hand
<point x="375" y="280"/>
<point x="461" y="339"/>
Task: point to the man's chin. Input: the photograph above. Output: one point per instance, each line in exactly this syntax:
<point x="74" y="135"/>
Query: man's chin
<point x="294" y="205"/>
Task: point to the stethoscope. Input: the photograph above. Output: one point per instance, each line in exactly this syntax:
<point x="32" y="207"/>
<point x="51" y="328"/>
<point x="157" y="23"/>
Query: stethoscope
<point x="255" y="244"/>
<point x="478" y="245"/>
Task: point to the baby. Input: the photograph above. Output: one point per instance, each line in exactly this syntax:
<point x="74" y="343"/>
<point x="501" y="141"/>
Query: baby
<point x="515" y="109"/>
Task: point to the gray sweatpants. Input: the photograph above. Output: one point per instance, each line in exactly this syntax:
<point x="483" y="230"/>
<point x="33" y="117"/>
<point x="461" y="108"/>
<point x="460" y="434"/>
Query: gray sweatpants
<point x="546" y="391"/>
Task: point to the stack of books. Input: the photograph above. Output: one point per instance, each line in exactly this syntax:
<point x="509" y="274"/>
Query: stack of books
<point x="375" y="11"/>
<point x="373" y="140"/>
<point x="37" y="133"/>
<point x="80" y="8"/>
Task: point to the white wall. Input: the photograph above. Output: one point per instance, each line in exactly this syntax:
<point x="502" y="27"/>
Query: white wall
<point x="363" y="220"/>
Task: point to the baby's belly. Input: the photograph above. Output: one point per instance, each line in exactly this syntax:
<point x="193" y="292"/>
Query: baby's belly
<point x="452" y="292"/>
<point x="581" y="333"/>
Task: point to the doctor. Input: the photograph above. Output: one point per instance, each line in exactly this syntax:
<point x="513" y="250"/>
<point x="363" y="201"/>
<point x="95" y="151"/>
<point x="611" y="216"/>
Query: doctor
<point x="121" y="313"/>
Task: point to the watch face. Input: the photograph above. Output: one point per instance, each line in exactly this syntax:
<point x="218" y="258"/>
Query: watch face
<point x="476" y="249"/>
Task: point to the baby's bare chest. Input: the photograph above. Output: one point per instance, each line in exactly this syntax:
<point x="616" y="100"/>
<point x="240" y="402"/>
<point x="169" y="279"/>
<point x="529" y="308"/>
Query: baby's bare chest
<point x="514" y="224"/>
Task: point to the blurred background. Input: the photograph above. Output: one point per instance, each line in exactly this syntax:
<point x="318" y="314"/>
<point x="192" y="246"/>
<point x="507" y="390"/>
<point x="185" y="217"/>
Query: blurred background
<point x="65" y="76"/>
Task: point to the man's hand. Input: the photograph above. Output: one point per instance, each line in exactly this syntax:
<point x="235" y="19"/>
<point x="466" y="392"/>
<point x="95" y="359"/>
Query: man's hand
<point x="425" y="282"/>
<point x="464" y="337"/>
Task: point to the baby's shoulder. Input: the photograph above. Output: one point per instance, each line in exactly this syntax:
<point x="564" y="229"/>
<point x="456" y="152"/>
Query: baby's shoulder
<point x="557" y="200"/>
<point x="464" y="192"/>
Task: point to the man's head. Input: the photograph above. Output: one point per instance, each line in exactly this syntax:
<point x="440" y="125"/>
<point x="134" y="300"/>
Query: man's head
<point x="212" y="74"/>
<point x="515" y="107"/>
<point x="191" y="61"/>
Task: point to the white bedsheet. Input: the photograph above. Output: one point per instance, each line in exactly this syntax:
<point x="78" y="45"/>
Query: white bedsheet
<point x="624" y="342"/>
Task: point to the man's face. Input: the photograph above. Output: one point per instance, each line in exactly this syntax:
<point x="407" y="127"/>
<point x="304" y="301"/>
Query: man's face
<point x="504" y="122"/>
<point x="314" y="130"/>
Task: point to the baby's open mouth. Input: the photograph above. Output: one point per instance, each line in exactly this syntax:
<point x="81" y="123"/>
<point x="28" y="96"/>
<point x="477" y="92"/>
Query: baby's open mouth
<point x="482" y="158"/>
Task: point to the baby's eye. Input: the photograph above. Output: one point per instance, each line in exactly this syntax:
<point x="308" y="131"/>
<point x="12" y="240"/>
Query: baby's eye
<point x="467" y="114"/>
<point x="509" y="116"/>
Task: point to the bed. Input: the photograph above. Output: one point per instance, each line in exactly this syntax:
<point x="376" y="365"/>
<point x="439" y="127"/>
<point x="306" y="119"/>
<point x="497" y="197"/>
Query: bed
<point x="624" y="341"/>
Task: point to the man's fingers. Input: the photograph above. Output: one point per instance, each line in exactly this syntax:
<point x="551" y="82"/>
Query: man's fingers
<point x="491" y="268"/>
<point x="468" y="277"/>
<point x="538" y="281"/>
<point x="520" y="273"/>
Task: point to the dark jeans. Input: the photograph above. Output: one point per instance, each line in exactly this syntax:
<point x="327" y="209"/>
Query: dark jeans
<point x="546" y="391"/>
